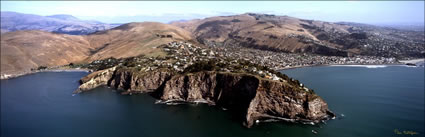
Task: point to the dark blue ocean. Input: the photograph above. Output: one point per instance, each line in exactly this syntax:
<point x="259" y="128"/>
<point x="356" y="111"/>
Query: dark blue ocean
<point x="383" y="101"/>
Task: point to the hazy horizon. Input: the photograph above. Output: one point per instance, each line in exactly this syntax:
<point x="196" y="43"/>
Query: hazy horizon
<point x="370" y="12"/>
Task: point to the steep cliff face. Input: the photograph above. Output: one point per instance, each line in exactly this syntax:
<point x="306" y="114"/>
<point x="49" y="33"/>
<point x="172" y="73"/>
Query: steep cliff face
<point x="249" y="97"/>
<point x="136" y="82"/>
<point x="95" y="79"/>
<point x="125" y="79"/>
<point x="280" y="101"/>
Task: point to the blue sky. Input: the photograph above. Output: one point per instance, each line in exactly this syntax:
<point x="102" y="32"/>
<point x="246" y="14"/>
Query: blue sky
<point x="373" y="12"/>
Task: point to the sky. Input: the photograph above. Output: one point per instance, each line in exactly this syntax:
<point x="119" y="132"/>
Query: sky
<point x="372" y="12"/>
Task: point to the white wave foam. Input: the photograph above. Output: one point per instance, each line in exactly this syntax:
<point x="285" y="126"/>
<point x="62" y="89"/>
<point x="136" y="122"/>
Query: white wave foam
<point x="410" y="66"/>
<point x="366" y="66"/>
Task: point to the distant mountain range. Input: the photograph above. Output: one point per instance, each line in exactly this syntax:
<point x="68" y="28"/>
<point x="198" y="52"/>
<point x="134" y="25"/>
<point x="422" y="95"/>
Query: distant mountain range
<point x="66" y="24"/>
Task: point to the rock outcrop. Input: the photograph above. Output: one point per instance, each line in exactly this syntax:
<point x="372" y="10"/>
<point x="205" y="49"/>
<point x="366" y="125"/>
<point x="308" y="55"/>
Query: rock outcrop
<point x="249" y="97"/>
<point x="95" y="79"/>
<point x="136" y="82"/>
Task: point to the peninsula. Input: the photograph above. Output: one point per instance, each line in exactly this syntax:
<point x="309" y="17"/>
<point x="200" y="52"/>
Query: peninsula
<point x="192" y="74"/>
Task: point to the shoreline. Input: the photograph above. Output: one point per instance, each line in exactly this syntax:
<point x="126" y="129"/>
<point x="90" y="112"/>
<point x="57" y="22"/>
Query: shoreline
<point x="400" y="62"/>
<point x="295" y="67"/>
<point x="11" y="76"/>
<point x="321" y="65"/>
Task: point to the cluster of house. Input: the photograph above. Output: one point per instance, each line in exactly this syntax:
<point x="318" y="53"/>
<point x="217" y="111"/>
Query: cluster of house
<point x="280" y="60"/>
<point x="186" y="54"/>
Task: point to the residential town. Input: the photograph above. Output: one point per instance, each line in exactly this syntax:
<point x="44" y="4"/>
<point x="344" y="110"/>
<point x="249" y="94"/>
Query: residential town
<point x="280" y="60"/>
<point x="181" y="55"/>
<point x="271" y="59"/>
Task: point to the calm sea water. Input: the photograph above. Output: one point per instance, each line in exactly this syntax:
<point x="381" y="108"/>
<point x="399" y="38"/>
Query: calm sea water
<point x="374" y="102"/>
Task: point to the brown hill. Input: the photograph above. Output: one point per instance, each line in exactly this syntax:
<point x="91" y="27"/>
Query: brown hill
<point x="270" y="32"/>
<point x="134" y="39"/>
<point x="23" y="50"/>
<point x="289" y="34"/>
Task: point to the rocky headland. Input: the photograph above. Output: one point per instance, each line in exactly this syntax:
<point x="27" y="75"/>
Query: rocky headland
<point x="252" y="92"/>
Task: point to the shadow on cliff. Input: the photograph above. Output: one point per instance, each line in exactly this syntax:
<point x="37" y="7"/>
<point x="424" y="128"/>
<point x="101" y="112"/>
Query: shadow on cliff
<point x="230" y="93"/>
<point x="235" y="94"/>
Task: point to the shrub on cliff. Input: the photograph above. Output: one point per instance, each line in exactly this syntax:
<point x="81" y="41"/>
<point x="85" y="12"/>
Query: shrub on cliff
<point x="103" y="64"/>
<point x="202" y="66"/>
<point x="41" y="68"/>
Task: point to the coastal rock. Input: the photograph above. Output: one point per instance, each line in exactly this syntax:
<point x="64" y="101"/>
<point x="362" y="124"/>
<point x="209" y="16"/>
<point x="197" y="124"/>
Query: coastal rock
<point x="281" y="101"/>
<point x="139" y="82"/>
<point x="127" y="80"/>
<point x="95" y="79"/>
<point x="250" y="98"/>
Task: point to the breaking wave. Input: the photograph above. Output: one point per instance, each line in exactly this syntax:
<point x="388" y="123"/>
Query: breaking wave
<point x="366" y="66"/>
